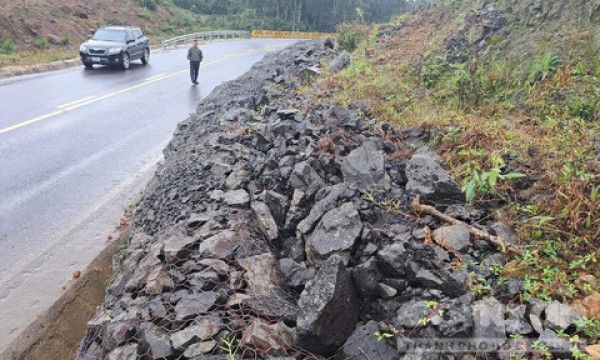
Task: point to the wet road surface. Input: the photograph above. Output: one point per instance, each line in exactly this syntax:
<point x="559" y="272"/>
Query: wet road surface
<point x="75" y="146"/>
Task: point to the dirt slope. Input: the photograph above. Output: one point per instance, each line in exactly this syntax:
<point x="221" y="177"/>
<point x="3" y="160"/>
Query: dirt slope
<point x="24" y="21"/>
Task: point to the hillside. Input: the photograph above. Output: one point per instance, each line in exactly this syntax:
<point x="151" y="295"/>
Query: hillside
<point x="26" y="21"/>
<point x="507" y="92"/>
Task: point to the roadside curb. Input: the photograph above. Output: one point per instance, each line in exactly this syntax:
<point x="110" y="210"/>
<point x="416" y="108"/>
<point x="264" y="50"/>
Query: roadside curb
<point x="11" y="71"/>
<point x="57" y="333"/>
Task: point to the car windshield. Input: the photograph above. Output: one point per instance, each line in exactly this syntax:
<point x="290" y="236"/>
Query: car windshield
<point x="109" y="35"/>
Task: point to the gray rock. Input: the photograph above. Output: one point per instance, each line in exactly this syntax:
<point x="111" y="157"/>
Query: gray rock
<point x="328" y="309"/>
<point x="158" y="281"/>
<point x="127" y="352"/>
<point x="560" y="316"/>
<point x="154" y="342"/>
<point x="340" y="62"/>
<point x="363" y="345"/>
<point x="294" y="274"/>
<point x="409" y="314"/>
<point x="559" y="347"/>
<point x="278" y="205"/>
<point x="260" y="274"/>
<point x="305" y="176"/>
<point x="275" y="306"/>
<point x="366" y="277"/>
<point x="457" y="322"/>
<point x="176" y="246"/>
<point x="218" y="266"/>
<point x="336" y="193"/>
<point x="516" y="323"/>
<point x="203" y="328"/>
<point x="237" y="179"/>
<point x="54" y="39"/>
<point x="364" y="168"/>
<point x="391" y="260"/>
<point x="236" y="197"/>
<point x="505" y="232"/>
<point x="220" y="246"/>
<point x="266" y="222"/>
<point x="466" y="213"/>
<point x="427" y="177"/>
<point x="197" y="349"/>
<point x="268" y="339"/>
<point x="456" y="237"/>
<point x="337" y="232"/>
<point x="386" y="291"/>
<point x="153" y="311"/>
<point x="118" y="333"/>
<point x="489" y="327"/>
<point x="192" y="305"/>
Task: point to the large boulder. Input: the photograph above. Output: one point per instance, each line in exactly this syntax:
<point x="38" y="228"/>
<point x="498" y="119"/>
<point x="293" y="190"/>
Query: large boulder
<point x="337" y="232"/>
<point x="427" y="178"/>
<point x="328" y="309"/>
<point x="364" y="168"/>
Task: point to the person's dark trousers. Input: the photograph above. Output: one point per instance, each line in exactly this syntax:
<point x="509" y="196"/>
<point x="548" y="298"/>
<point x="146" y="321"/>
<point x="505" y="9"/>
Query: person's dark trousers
<point x="194" y="68"/>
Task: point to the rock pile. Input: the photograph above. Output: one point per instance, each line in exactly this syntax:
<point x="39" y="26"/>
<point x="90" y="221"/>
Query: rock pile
<point x="279" y="227"/>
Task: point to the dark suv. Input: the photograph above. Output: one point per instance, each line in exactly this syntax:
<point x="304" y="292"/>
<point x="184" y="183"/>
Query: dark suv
<point x="115" y="45"/>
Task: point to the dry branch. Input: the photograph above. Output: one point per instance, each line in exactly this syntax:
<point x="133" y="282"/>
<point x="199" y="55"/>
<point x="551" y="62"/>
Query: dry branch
<point x="419" y="208"/>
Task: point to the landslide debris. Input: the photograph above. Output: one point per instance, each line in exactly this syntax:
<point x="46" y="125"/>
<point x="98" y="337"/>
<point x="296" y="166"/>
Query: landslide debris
<point x="279" y="226"/>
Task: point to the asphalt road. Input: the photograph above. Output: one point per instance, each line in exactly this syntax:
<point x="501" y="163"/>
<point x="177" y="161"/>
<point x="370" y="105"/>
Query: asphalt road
<point x="74" y="146"/>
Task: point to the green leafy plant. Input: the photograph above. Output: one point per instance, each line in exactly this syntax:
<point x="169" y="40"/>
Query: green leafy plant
<point x="41" y="43"/>
<point x="381" y="335"/>
<point x="230" y="348"/>
<point x="544" y="68"/>
<point x="434" y="308"/>
<point x="350" y="36"/>
<point x="8" y="47"/>
<point x="65" y="41"/>
<point x="480" y="182"/>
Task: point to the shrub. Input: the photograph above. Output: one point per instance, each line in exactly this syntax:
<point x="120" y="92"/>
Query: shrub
<point x="544" y="68"/>
<point x="41" y="43"/>
<point x="8" y="47"/>
<point x="349" y="36"/>
<point x="65" y="41"/>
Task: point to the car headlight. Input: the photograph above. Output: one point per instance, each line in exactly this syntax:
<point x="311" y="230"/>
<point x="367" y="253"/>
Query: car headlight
<point x="82" y="48"/>
<point x="115" y="50"/>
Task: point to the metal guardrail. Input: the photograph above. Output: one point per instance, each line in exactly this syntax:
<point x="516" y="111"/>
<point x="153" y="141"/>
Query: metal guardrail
<point x="205" y="36"/>
<point x="290" y="34"/>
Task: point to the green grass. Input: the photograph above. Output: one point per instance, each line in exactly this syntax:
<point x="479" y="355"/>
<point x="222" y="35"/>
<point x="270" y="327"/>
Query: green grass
<point x="523" y="140"/>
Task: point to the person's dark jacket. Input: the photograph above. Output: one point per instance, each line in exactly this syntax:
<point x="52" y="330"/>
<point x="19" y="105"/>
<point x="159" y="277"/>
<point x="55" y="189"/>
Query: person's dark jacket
<point x="195" y="54"/>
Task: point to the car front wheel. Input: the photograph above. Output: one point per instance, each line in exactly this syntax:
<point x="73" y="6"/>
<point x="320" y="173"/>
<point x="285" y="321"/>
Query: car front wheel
<point x="146" y="57"/>
<point x="88" y="65"/>
<point x="125" y="61"/>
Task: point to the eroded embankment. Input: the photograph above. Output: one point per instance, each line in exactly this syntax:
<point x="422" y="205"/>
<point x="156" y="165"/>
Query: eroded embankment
<point x="279" y="226"/>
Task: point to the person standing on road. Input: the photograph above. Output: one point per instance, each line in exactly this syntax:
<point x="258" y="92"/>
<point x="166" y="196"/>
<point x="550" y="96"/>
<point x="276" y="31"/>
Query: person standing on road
<point x="195" y="57"/>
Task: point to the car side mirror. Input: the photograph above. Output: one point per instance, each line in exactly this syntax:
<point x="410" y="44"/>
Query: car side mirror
<point x="130" y="41"/>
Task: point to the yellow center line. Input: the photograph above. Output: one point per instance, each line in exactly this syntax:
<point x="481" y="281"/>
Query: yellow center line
<point x="94" y="98"/>
<point x="76" y="102"/>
